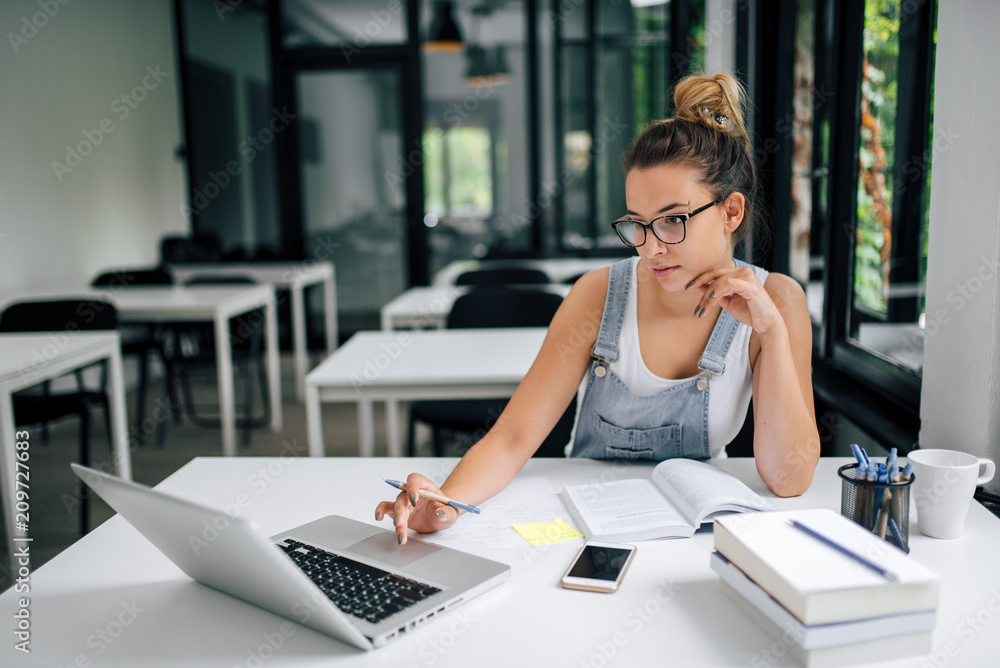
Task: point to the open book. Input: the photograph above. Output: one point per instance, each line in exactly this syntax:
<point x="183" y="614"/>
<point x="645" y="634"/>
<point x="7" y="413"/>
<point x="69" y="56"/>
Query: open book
<point x="681" y="495"/>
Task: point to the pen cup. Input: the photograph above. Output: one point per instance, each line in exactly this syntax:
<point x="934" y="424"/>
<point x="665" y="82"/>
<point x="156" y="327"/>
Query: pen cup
<point x="881" y="507"/>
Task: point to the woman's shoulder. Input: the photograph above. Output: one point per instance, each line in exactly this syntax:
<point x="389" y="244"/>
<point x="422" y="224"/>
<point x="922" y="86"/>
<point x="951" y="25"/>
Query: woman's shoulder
<point x="786" y="293"/>
<point x="590" y="290"/>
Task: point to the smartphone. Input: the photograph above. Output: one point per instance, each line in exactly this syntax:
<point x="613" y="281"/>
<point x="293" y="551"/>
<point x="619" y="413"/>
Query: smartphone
<point x="599" y="567"/>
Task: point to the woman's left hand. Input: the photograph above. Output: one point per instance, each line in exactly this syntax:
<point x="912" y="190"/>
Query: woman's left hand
<point x="737" y="290"/>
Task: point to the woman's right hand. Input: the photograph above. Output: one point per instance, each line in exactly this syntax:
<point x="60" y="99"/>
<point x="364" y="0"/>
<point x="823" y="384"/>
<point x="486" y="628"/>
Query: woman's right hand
<point x="410" y="510"/>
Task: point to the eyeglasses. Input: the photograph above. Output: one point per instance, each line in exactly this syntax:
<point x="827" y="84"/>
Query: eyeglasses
<point x="670" y="229"/>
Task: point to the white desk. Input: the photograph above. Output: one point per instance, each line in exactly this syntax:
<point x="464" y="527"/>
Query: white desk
<point x="433" y="364"/>
<point x="217" y="305"/>
<point x="427" y="307"/>
<point x="291" y="276"/>
<point x="29" y="359"/>
<point x="669" y="611"/>
<point x="559" y="269"/>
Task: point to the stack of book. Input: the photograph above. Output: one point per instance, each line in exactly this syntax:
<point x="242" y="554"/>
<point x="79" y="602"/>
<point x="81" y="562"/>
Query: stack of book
<point x="831" y="592"/>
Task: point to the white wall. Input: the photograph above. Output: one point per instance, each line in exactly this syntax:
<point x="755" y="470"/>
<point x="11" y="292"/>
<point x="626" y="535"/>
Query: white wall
<point x="960" y="399"/>
<point x="61" y="80"/>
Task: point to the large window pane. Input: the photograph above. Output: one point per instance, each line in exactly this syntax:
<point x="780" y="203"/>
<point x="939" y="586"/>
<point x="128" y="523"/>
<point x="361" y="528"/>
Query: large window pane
<point x="886" y="313"/>
<point x="476" y="175"/>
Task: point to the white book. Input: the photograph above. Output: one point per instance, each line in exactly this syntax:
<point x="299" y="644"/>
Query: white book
<point x="736" y="584"/>
<point x="817" y="583"/>
<point x="680" y="495"/>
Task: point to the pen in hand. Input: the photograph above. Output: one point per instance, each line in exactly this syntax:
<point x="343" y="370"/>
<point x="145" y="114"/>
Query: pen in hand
<point x="427" y="494"/>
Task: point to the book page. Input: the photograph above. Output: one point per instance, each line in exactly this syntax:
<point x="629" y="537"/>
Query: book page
<point x="624" y="507"/>
<point x="700" y="490"/>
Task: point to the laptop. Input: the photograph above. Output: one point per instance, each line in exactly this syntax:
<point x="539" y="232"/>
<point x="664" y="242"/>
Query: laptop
<point x="338" y="576"/>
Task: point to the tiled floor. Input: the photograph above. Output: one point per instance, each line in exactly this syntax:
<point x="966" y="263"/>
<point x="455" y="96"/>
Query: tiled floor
<point x="54" y="499"/>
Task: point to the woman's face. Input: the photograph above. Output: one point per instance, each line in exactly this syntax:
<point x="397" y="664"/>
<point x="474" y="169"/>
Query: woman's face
<point x="675" y="189"/>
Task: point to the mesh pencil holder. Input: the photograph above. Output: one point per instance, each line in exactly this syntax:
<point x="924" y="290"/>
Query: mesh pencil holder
<point x="882" y="508"/>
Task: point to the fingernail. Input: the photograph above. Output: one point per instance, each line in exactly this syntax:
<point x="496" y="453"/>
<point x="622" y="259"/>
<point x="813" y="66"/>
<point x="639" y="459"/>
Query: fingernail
<point x="697" y="307"/>
<point x="399" y="539"/>
<point x="378" y="518"/>
<point x="702" y="312"/>
<point x="690" y="284"/>
<point x="395" y="520"/>
<point x="413" y="500"/>
<point x="441" y="514"/>
<point x="711" y="294"/>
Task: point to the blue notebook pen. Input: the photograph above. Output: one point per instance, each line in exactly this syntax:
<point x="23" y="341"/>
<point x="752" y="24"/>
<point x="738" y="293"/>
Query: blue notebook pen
<point x="888" y="575"/>
<point x="436" y="497"/>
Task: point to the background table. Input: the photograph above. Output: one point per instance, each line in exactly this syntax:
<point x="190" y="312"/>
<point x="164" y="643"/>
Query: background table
<point x="559" y="269"/>
<point x="29" y="359"/>
<point x="427" y="307"/>
<point x="670" y="609"/>
<point x="291" y="276"/>
<point x="218" y="305"/>
<point x="433" y="364"/>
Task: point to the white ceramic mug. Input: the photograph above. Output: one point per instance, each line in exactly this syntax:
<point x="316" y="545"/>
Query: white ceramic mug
<point x="943" y="487"/>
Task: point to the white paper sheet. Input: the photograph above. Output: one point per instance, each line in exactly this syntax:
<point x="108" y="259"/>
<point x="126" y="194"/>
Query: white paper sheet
<point x="523" y="501"/>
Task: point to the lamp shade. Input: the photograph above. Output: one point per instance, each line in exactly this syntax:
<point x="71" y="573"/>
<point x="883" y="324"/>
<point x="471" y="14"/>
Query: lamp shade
<point x="444" y="34"/>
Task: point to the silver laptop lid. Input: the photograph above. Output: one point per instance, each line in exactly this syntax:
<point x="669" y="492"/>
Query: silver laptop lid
<point x="224" y="552"/>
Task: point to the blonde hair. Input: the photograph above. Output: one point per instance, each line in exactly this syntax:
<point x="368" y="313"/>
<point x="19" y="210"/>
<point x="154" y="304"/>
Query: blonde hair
<point x="707" y="131"/>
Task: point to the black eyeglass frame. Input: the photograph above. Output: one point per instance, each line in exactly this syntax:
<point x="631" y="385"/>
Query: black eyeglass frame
<point x="683" y="217"/>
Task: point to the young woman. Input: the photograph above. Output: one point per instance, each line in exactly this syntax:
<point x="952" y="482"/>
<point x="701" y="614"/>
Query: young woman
<point x="674" y="341"/>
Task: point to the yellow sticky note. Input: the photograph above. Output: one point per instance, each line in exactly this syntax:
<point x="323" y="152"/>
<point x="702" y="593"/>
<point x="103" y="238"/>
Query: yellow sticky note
<point x="543" y="533"/>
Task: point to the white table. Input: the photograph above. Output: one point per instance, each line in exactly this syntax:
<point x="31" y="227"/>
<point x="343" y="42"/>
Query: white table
<point x="670" y="609"/>
<point x="559" y="269"/>
<point x="218" y="305"/>
<point x="291" y="276"/>
<point x="433" y="364"/>
<point x="427" y="307"/>
<point x="29" y="359"/>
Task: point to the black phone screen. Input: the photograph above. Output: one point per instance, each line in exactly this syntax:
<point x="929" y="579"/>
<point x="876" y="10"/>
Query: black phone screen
<point x="599" y="563"/>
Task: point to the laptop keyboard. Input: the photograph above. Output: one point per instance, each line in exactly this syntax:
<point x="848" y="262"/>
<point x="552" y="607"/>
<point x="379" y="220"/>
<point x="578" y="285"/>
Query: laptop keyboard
<point x="358" y="589"/>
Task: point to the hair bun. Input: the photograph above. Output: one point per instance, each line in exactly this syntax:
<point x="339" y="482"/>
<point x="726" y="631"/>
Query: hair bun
<point x="717" y="102"/>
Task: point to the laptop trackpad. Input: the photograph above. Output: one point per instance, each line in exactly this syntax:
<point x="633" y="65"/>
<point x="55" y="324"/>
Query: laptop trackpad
<point x="383" y="547"/>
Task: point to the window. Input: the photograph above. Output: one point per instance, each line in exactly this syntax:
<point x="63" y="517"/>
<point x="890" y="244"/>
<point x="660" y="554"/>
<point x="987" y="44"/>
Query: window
<point x="458" y="173"/>
<point x="860" y="186"/>
<point x="615" y="63"/>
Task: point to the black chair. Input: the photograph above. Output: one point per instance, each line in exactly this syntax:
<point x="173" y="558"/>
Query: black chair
<point x="491" y="307"/>
<point x="142" y="340"/>
<point x="65" y="317"/>
<point x="503" y="276"/>
<point x="196" y="248"/>
<point x="191" y="351"/>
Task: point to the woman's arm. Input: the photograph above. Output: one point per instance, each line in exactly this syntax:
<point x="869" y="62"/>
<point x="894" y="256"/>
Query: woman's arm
<point x="540" y="400"/>
<point x="786" y="441"/>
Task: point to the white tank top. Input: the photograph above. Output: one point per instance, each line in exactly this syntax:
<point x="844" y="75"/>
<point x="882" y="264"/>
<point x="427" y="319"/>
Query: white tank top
<point x="731" y="392"/>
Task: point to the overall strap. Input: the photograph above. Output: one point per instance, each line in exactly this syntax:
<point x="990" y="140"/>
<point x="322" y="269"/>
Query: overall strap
<point x="605" y="350"/>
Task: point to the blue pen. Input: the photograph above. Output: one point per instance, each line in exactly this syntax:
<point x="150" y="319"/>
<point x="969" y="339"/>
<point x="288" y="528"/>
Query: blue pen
<point x="895" y="532"/>
<point x="888" y="575"/>
<point x="891" y="459"/>
<point x="865" y="455"/>
<point x="907" y="470"/>
<point x="435" y="497"/>
<point x="857" y="454"/>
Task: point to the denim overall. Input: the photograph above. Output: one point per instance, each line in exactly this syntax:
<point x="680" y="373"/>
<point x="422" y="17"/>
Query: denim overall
<point x="613" y="423"/>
